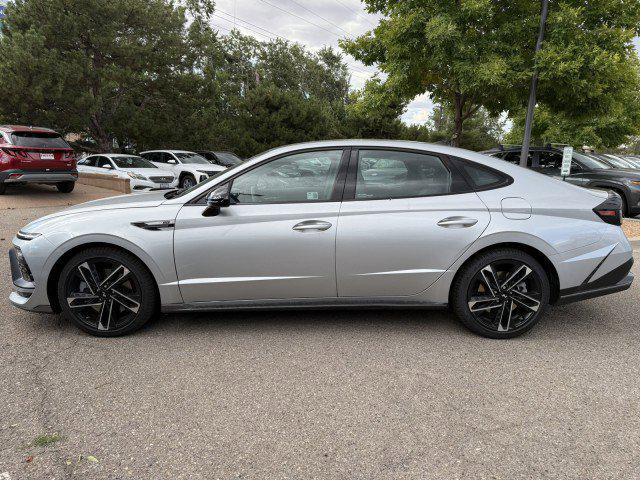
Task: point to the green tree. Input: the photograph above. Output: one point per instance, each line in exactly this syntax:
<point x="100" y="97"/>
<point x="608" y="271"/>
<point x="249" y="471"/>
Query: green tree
<point x="112" y="69"/>
<point x="480" y="53"/>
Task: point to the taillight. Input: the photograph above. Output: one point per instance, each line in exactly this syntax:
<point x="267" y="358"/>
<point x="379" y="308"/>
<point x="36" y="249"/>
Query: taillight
<point x="610" y="211"/>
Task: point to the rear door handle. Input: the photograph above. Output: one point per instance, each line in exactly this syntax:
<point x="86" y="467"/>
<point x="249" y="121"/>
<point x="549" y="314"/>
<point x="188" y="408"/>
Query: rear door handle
<point x="457" y="222"/>
<point x="312" y="225"/>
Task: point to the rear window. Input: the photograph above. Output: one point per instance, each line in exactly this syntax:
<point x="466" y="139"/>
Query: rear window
<point x="38" y="140"/>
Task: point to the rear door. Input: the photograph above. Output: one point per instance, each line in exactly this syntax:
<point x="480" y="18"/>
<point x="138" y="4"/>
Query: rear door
<point x="406" y="217"/>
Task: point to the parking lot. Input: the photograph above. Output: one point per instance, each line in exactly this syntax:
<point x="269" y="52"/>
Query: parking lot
<point x="325" y="394"/>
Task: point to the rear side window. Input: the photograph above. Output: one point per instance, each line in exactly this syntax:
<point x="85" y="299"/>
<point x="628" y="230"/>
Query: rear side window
<point x="385" y="174"/>
<point x="481" y="177"/>
<point x="38" y="140"/>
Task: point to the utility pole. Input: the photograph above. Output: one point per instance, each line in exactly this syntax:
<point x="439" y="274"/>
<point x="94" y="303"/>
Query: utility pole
<point x="532" y="93"/>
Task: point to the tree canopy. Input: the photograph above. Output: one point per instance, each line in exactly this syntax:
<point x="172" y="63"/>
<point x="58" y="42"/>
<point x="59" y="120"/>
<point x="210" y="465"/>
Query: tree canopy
<point x="480" y="53"/>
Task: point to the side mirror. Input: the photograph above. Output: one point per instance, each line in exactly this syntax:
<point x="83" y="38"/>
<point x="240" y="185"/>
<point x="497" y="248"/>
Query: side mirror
<point x="107" y="166"/>
<point x="217" y="198"/>
<point x="171" y="161"/>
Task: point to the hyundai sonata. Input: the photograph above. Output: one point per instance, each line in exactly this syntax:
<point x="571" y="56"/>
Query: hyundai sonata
<point x="351" y="223"/>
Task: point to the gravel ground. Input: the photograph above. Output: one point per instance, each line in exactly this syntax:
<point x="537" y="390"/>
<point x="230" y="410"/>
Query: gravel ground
<point x="340" y="394"/>
<point x="631" y="228"/>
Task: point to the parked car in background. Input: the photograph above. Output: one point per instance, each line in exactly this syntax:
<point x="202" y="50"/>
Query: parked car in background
<point x="143" y="175"/>
<point x="224" y="159"/>
<point x="586" y="171"/>
<point x="189" y="167"/>
<point x="302" y="226"/>
<point x="35" y="155"/>
<point x="615" y="161"/>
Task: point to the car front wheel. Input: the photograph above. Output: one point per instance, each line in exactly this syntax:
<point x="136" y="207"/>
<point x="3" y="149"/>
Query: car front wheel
<point x="107" y="292"/>
<point x="188" y="181"/>
<point x="501" y="293"/>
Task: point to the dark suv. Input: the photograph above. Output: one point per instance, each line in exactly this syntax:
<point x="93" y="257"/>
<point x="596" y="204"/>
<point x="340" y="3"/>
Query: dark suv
<point x="586" y="171"/>
<point x="35" y="155"/>
<point x="224" y="159"/>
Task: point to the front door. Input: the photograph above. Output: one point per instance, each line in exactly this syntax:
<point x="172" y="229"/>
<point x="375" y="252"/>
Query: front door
<point x="405" y="223"/>
<point x="275" y="241"/>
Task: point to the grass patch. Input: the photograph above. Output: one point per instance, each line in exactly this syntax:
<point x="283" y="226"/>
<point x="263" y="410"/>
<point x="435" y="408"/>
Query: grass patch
<point x="44" y="440"/>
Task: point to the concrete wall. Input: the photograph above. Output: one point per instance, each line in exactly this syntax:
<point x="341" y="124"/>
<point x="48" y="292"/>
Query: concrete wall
<point x="105" y="181"/>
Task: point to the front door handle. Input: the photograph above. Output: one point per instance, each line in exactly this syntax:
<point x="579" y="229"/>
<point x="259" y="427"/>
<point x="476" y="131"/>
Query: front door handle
<point x="457" y="222"/>
<point x="312" y="225"/>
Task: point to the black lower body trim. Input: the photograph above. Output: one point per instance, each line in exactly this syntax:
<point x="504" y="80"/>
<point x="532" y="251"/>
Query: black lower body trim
<point x="616" y="280"/>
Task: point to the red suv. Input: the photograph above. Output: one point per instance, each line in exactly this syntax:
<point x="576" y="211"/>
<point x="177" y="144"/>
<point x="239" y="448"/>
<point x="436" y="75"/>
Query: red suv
<point x="35" y="155"/>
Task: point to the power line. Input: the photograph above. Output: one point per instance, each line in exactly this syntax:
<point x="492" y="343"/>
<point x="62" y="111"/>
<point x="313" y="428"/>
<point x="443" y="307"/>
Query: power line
<point x="354" y="67"/>
<point x="357" y="13"/>
<point x="297" y="16"/>
<point x="320" y="16"/>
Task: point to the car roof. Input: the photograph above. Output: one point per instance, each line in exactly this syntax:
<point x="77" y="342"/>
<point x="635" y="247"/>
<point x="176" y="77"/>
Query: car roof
<point x="23" y="128"/>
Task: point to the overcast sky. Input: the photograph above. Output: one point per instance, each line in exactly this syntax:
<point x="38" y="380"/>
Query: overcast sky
<point x="314" y="24"/>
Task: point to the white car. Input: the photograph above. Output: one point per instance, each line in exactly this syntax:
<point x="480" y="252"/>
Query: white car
<point x="143" y="175"/>
<point x="189" y="167"/>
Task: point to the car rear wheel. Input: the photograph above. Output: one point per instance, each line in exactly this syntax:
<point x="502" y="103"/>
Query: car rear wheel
<point x="65" y="187"/>
<point x="187" y="181"/>
<point x="501" y="293"/>
<point x="107" y="292"/>
<point x="3" y="188"/>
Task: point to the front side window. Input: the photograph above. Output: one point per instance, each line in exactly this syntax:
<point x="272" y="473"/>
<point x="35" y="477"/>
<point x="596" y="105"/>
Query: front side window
<point x="301" y="177"/>
<point x="393" y="174"/>
<point x="103" y="161"/>
<point x="550" y="163"/>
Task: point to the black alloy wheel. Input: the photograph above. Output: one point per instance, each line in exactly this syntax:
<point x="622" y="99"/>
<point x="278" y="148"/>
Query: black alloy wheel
<point x="502" y="294"/>
<point x="107" y="292"/>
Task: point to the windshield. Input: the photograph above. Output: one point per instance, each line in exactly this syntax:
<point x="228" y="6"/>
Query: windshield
<point x="591" y="162"/>
<point x="185" y="191"/>
<point x="132" y="162"/>
<point x="38" y="140"/>
<point x="228" y="159"/>
<point x="186" y="157"/>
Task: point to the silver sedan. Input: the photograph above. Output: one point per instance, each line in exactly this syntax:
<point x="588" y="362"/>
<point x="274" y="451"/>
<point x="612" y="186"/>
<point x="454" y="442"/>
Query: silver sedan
<point x="350" y="223"/>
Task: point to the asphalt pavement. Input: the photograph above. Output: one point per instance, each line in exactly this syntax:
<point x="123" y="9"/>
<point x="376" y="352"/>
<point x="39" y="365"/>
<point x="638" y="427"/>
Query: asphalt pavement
<point x="305" y="395"/>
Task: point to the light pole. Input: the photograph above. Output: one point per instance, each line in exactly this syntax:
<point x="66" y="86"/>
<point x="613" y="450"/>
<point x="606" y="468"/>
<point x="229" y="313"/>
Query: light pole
<point x="532" y="93"/>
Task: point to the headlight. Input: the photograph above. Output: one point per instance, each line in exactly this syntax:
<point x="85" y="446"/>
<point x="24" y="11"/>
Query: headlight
<point x="27" y="235"/>
<point x="137" y="176"/>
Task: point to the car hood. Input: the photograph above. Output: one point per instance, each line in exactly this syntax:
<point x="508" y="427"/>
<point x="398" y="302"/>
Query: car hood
<point x="143" y="200"/>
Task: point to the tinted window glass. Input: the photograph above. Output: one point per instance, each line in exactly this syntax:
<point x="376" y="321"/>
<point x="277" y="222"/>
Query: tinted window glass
<point x="481" y="177"/>
<point x="302" y="177"/>
<point x="89" y="161"/>
<point x="389" y="174"/>
<point x="550" y="163"/>
<point x="102" y="161"/>
<point x="126" y="161"/>
<point x="185" y="157"/>
<point x="38" y="140"/>
<point x="227" y="159"/>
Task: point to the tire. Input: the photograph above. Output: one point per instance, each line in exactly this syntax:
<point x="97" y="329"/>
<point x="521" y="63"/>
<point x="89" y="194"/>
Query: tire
<point x="3" y="188"/>
<point x="88" y="298"/>
<point x="187" y="181"/>
<point x="513" y="308"/>
<point x="65" y="187"/>
<point x="625" y="208"/>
